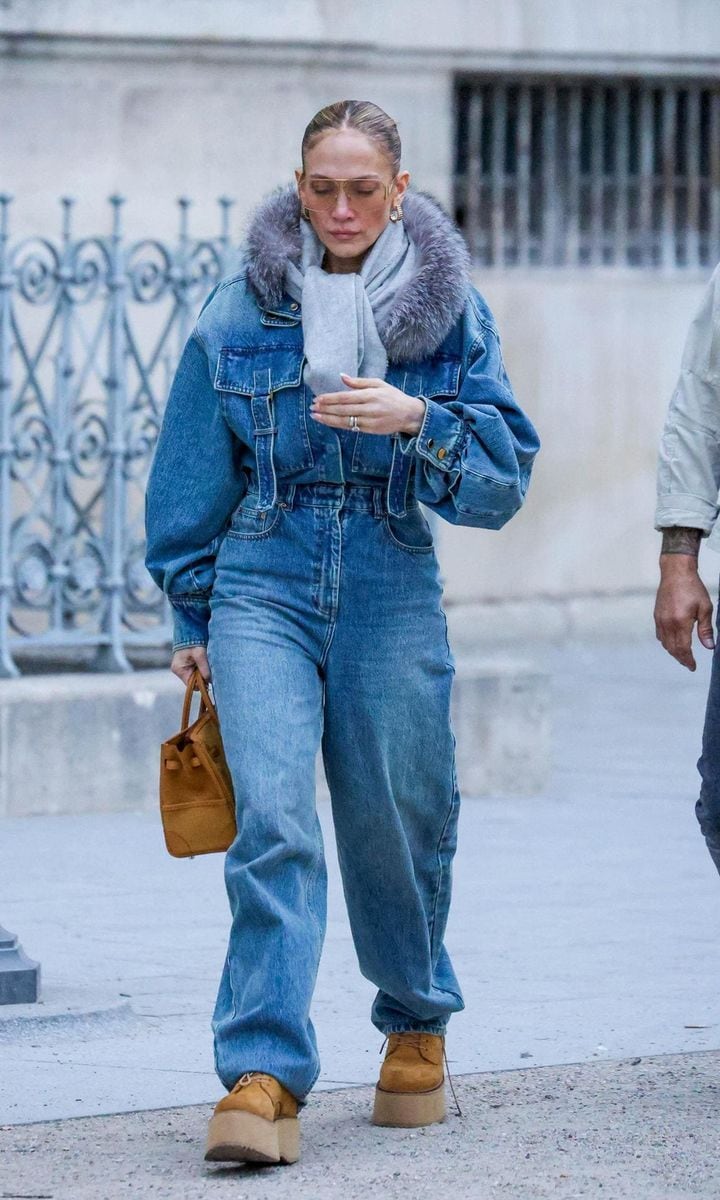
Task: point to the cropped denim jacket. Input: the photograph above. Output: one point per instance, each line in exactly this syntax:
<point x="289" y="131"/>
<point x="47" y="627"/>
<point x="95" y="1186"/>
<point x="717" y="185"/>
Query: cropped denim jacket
<point x="237" y="420"/>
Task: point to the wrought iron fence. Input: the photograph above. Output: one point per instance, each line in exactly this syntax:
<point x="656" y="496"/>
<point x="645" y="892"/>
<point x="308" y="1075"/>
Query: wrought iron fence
<point x="591" y="172"/>
<point x="90" y="332"/>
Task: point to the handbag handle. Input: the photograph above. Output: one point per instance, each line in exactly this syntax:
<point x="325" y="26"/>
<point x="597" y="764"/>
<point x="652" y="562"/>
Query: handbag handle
<point x="195" y="683"/>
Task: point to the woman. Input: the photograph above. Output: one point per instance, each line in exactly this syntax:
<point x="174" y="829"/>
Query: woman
<point x="348" y="371"/>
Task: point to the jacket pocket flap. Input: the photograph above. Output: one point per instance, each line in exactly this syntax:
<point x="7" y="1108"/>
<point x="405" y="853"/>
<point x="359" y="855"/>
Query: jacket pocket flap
<point x="441" y="377"/>
<point x="434" y="377"/>
<point x="236" y="367"/>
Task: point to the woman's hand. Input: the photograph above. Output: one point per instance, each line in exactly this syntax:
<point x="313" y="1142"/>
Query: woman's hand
<point x="378" y="406"/>
<point x="185" y="661"/>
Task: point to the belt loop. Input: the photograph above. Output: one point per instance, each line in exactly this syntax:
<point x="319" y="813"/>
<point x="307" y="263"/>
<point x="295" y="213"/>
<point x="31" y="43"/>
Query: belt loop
<point x="377" y="495"/>
<point x="264" y="430"/>
<point x="290" y="495"/>
<point x="398" y="482"/>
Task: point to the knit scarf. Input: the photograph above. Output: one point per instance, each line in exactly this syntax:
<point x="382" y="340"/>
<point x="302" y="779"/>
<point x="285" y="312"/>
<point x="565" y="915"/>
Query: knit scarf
<point x="343" y="315"/>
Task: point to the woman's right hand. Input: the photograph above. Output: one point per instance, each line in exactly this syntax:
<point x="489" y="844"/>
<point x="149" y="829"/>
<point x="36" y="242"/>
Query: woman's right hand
<point x="184" y="662"/>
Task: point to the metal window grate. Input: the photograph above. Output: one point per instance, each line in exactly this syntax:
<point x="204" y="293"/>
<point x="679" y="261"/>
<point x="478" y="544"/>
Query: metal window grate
<point x="589" y="173"/>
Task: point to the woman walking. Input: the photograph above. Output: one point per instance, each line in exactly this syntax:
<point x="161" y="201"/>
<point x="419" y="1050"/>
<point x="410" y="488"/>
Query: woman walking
<point x="346" y="373"/>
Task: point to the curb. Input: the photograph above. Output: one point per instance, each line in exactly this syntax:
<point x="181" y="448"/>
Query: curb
<point x="64" y="1008"/>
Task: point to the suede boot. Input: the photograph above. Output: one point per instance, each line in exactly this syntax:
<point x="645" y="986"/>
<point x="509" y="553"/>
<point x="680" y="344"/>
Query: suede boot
<point x="411" y="1088"/>
<point x="255" y="1122"/>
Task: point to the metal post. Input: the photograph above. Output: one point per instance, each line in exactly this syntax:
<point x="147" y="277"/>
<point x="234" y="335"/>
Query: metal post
<point x="61" y="615"/>
<point x="7" y="666"/>
<point x="228" y="256"/>
<point x="111" y="656"/>
<point x="19" y="975"/>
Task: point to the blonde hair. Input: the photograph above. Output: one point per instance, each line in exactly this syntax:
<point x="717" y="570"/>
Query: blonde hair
<point x="362" y="115"/>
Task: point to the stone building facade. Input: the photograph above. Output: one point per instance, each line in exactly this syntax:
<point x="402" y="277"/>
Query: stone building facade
<point x="210" y="97"/>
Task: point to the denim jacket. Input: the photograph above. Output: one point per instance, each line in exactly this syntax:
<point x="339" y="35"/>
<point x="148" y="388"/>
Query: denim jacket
<point x="237" y="417"/>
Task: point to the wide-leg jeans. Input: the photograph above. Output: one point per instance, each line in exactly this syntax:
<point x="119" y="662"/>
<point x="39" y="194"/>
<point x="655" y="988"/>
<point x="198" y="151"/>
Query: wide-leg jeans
<point x="327" y="630"/>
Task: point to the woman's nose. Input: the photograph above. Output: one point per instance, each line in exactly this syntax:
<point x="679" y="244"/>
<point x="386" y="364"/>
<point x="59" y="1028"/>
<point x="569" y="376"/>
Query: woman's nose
<point x="342" y="205"/>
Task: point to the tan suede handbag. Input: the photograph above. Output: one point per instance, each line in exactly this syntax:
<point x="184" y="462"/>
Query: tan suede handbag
<point x="197" y="805"/>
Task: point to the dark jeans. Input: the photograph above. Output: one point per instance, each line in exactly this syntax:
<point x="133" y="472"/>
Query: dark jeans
<point x="707" y="808"/>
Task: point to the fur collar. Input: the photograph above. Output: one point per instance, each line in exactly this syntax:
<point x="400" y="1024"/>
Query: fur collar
<point x="425" y="309"/>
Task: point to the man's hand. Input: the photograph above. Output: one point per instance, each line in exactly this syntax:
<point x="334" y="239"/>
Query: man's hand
<point x="184" y="661"/>
<point x="682" y="598"/>
<point x="379" y="407"/>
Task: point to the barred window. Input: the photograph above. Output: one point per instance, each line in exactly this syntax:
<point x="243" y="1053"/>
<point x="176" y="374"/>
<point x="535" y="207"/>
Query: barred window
<point x="582" y="173"/>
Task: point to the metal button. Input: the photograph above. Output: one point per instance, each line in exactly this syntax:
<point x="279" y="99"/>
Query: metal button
<point x="294" y="306"/>
<point x="431" y="443"/>
<point x="441" y="452"/>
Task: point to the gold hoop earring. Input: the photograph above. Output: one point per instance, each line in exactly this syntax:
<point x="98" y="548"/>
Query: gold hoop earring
<point x="396" y="213"/>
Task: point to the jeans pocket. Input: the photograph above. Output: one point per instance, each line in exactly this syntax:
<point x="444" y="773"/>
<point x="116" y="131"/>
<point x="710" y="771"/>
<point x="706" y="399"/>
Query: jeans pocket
<point x="411" y="532"/>
<point x="250" y="522"/>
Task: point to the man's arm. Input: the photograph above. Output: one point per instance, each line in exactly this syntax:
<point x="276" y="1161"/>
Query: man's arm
<point x="682" y="598"/>
<point x="688" y="482"/>
<point x="679" y="540"/>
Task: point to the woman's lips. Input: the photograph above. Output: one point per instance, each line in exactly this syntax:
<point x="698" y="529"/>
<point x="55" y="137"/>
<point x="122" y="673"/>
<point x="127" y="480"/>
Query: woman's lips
<point x="343" y="234"/>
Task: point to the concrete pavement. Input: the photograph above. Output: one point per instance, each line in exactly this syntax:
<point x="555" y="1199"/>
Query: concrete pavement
<point x="623" y="1130"/>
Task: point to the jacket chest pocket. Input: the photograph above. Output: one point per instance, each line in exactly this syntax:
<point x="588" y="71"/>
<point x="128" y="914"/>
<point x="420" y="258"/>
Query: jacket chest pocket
<point x="436" y="377"/>
<point x="264" y="397"/>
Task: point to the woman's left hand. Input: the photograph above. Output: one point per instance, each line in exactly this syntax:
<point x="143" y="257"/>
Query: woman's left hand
<point x="378" y="406"/>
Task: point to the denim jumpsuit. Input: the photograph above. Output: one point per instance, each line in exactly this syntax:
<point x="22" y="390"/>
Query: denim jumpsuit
<point x="300" y="556"/>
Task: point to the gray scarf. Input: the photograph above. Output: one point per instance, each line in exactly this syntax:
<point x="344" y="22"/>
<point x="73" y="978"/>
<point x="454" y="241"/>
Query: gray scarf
<point x="341" y="314"/>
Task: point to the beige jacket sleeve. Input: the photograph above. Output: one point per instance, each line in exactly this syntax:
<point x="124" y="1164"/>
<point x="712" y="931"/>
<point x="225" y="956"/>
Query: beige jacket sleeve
<point x="688" y="478"/>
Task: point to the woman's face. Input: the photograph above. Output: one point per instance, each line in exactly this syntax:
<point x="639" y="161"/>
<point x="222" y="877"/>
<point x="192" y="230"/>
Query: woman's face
<point x="349" y="228"/>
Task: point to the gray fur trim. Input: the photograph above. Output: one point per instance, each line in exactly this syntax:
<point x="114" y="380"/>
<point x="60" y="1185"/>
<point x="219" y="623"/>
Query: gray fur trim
<point x="425" y="310"/>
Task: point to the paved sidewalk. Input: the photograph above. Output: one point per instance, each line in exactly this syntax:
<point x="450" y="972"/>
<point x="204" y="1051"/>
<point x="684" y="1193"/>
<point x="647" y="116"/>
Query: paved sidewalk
<point x="623" y="1130"/>
<point x="584" y="926"/>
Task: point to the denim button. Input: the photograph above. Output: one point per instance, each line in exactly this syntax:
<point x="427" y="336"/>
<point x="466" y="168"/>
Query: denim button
<point x="294" y="306"/>
<point x="441" y="452"/>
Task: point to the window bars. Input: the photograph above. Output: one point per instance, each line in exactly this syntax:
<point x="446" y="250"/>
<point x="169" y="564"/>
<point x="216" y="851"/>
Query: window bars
<point x="90" y="333"/>
<point x="589" y="173"/>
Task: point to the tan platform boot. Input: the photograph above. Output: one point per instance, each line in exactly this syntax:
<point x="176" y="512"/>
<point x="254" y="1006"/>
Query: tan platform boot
<point x="255" y="1122"/>
<point x="411" y="1088"/>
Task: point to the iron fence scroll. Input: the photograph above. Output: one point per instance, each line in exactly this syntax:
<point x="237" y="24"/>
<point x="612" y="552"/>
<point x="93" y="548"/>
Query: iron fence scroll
<point x="91" y="329"/>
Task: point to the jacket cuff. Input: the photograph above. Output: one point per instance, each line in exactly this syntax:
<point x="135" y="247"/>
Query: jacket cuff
<point x="687" y="511"/>
<point x="191" y="618"/>
<point x="439" y="437"/>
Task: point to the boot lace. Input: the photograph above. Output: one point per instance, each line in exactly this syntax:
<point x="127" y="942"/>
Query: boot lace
<point x="414" y="1039"/>
<point x="247" y="1078"/>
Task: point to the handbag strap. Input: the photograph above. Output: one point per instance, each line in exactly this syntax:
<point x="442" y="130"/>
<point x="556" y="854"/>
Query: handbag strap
<point x="195" y="683"/>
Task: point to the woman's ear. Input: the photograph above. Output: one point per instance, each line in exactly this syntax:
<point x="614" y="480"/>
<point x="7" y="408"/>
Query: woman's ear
<point x="401" y="184"/>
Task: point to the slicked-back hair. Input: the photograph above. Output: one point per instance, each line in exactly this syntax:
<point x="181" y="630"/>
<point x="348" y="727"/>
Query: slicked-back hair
<point x="362" y="115"/>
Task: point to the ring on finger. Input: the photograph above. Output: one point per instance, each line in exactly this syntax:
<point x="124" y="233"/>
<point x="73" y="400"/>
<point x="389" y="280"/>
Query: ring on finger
<point x="353" y="422"/>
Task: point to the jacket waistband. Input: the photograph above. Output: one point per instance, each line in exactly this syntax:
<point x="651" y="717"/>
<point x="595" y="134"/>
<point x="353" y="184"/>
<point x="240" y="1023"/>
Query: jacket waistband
<point x="358" y="497"/>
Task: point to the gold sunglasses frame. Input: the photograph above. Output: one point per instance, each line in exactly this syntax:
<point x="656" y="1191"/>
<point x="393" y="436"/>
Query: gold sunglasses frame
<point x="387" y="188"/>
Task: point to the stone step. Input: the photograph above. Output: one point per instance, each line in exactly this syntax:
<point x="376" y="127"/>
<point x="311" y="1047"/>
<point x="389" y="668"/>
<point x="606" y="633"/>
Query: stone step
<point x="85" y="742"/>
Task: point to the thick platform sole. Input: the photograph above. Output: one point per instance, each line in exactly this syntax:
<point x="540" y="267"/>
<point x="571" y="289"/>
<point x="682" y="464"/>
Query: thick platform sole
<point x="236" y="1136"/>
<point x="407" y="1110"/>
